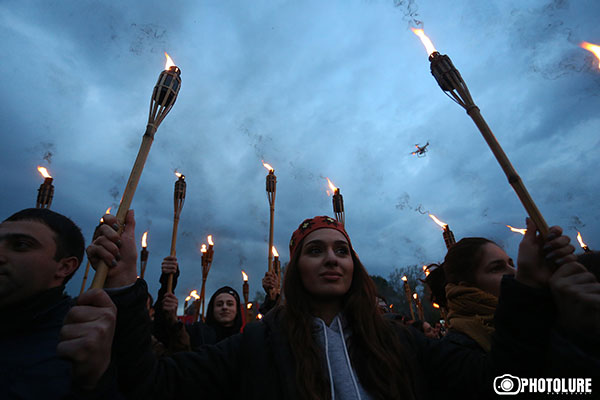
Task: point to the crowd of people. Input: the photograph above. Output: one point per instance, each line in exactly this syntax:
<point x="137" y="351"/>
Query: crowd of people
<point x="323" y="337"/>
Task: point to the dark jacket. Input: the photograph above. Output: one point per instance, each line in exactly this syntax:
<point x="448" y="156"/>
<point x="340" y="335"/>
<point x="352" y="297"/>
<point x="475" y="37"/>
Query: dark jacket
<point x="258" y="364"/>
<point x="29" y="366"/>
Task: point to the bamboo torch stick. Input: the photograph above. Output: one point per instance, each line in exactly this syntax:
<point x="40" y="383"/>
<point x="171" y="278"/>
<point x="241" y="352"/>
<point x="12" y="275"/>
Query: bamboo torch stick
<point x="203" y="250"/>
<point x="451" y="82"/>
<point x="163" y="97"/>
<point x="245" y="288"/>
<point x="271" y="187"/>
<point x="87" y="265"/>
<point x="178" y="199"/>
<point x="338" y="203"/>
<point x="144" y="255"/>
<point x="419" y="306"/>
<point x="45" y="191"/>
<point x="447" y="234"/>
<point x="408" y="297"/>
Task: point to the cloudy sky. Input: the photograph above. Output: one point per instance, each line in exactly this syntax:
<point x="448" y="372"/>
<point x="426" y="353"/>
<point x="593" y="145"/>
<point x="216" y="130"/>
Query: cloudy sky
<point x="337" y="89"/>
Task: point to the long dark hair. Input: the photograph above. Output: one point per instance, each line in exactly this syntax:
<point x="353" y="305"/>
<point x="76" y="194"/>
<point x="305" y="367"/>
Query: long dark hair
<point x="383" y="369"/>
<point x="459" y="265"/>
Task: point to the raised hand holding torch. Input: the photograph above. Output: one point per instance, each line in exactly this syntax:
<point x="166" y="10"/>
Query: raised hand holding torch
<point x="162" y="100"/>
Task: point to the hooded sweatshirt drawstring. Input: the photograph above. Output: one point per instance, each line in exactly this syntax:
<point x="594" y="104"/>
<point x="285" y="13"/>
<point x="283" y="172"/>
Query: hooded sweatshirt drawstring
<point x="342" y="379"/>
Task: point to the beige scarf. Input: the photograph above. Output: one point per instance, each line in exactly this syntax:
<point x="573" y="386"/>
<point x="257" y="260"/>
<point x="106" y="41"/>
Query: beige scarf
<point x="471" y="311"/>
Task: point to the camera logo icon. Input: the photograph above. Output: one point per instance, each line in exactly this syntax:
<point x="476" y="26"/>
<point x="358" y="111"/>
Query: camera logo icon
<point x="507" y="384"/>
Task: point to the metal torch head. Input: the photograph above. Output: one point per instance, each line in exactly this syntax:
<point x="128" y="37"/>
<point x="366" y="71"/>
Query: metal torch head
<point x="45" y="194"/>
<point x="180" y="187"/>
<point x="444" y="72"/>
<point x="338" y="202"/>
<point x="167" y="87"/>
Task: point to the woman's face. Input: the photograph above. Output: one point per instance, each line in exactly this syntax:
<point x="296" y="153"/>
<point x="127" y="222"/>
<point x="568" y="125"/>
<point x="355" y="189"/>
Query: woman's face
<point x="493" y="265"/>
<point x="325" y="264"/>
<point x="224" y="309"/>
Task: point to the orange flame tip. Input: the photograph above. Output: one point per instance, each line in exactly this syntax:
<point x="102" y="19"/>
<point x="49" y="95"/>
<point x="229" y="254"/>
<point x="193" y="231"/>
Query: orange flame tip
<point x="517" y="230"/>
<point x="331" y="185"/>
<point x="188" y="298"/>
<point x="144" y="237"/>
<point x="179" y="175"/>
<point x="404" y="278"/>
<point x="193" y="293"/>
<point x="580" y="240"/>
<point x="275" y="253"/>
<point x="210" y="241"/>
<point x="443" y="225"/>
<point x="436" y="305"/>
<point x="267" y="166"/>
<point x="415" y="296"/>
<point x="249" y="306"/>
<point x="203" y="248"/>
<point x="594" y="48"/>
<point x="169" y="63"/>
<point x="425" y="40"/>
<point x="44" y="172"/>
<point x="259" y="316"/>
<point x="244" y="276"/>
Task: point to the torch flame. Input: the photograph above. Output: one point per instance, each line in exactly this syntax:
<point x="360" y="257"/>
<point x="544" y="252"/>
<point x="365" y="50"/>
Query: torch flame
<point x="245" y="276"/>
<point x="425" y="40"/>
<point x="331" y="186"/>
<point x="424" y="267"/>
<point x="404" y="278"/>
<point x="415" y="296"/>
<point x="179" y="174"/>
<point x="580" y="240"/>
<point x="436" y="305"/>
<point x="249" y="306"/>
<point x="188" y="298"/>
<point x="267" y="166"/>
<point x="194" y="294"/>
<point x="443" y="225"/>
<point x="517" y="230"/>
<point x="210" y="241"/>
<point x="203" y="248"/>
<point x="259" y="316"/>
<point x="169" y="63"/>
<point x="594" y="48"/>
<point x="275" y="253"/>
<point x="44" y="172"/>
<point x="144" y="237"/>
<point x="107" y="212"/>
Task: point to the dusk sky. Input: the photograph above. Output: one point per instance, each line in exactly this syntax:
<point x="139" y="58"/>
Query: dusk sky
<point x="337" y="89"/>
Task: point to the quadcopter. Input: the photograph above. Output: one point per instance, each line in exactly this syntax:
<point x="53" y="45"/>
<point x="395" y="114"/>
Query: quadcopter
<point x="421" y="150"/>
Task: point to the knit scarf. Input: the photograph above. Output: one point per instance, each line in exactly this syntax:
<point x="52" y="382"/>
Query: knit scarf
<point x="471" y="311"/>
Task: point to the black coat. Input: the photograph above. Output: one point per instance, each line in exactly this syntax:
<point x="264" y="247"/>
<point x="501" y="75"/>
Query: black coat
<point x="258" y="364"/>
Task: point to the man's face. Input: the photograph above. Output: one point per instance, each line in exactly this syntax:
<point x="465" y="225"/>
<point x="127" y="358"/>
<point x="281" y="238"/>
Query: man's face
<point x="27" y="265"/>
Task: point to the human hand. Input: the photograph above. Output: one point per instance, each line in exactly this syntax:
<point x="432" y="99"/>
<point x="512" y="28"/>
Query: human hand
<point x="538" y="258"/>
<point x="169" y="305"/>
<point x="86" y="337"/>
<point x="169" y="265"/>
<point x="576" y="293"/>
<point x="269" y="281"/>
<point x="117" y="251"/>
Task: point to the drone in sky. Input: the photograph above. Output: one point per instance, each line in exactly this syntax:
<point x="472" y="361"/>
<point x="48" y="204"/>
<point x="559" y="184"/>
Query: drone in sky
<point x="421" y="150"/>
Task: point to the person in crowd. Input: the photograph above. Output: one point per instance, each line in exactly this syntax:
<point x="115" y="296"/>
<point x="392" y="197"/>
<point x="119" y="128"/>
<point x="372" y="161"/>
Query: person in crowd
<point x="170" y="333"/>
<point x="425" y="328"/>
<point x="327" y="340"/>
<point x="40" y="251"/>
<point x="224" y="318"/>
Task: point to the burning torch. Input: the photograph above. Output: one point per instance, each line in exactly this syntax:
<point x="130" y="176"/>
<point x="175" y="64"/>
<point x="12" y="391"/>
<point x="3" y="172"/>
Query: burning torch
<point x="271" y="186"/>
<point x="245" y="288"/>
<point x="178" y="199"/>
<point x="419" y="306"/>
<point x="207" y="257"/>
<point x="144" y="255"/>
<point x="584" y="246"/>
<point x="408" y="297"/>
<point x="447" y="233"/>
<point x="46" y="190"/>
<point x="594" y="48"/>
<point x="162" y="100"/>
<point x="338" y="203"/>
<point x="451" y="82"/>
<point x="517" y="230"/>
<point x="277" y="270"/>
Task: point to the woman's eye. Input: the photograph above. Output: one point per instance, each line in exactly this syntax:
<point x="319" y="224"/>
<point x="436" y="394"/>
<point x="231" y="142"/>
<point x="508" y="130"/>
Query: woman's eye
<point x="342" y="250"/>
<point x="314" y="250"/>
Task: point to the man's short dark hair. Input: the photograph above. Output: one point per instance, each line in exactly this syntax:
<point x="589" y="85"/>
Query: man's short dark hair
<point x="68" y="237"/>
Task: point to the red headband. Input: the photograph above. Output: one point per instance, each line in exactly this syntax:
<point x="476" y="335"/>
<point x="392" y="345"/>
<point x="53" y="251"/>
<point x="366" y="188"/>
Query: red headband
<point x="311" y="225"/>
